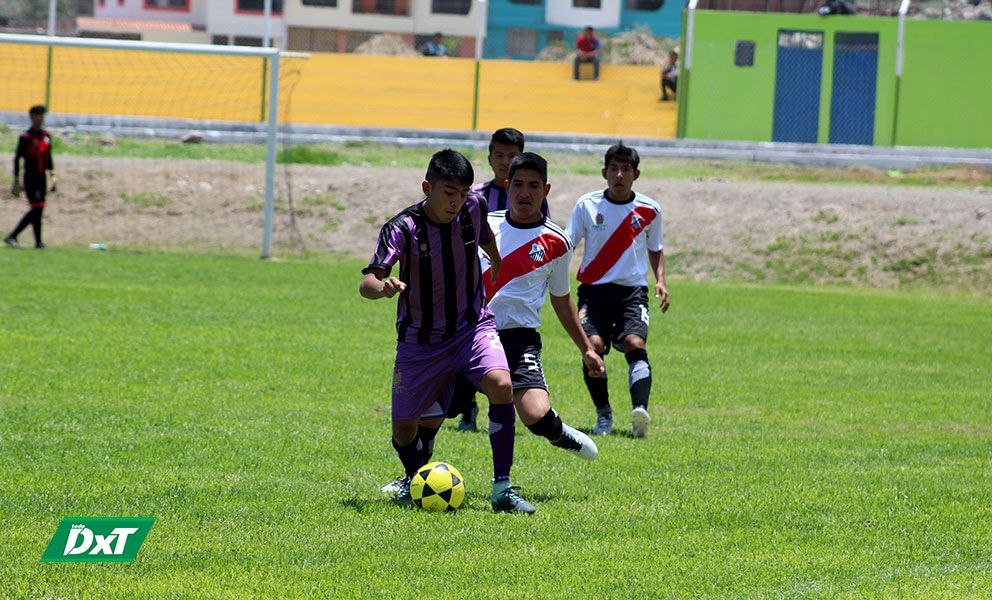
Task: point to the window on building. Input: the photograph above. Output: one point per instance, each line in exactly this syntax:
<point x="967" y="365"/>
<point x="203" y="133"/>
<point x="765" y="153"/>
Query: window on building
<point x="257" y="6"/>
<point x="330" y="3"/>
<point x="587" y="3"/>
<point x="167" y="4"/>
<point x="247" y="40"/>
<point x="521" y="43"/>
<point x="220" y="40"/>
<point x="381" y="7"/>
<point x="644" y="5"/>
<point x="450" y="7"/>
<point x="744" y="54"/>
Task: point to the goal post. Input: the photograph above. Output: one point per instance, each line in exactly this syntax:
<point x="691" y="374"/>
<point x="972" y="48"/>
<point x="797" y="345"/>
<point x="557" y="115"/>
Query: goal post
<point x="268" y="104"/>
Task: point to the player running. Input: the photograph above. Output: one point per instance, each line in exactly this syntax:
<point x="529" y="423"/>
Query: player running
<point x="504" y="145"/>
<point x="34" y="148"/>
<point x="536" y="255"/>
<point x="618" y="226"/>
<point x="442" y="323"/>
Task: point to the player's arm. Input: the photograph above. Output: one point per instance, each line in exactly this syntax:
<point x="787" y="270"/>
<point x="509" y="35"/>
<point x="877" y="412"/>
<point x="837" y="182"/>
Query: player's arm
<point x="50" y="167"/>
<point x="15" y="187"/>
<point x="376" y="284"/>
<point x="569" y="318"/>
<point x="492" y="252"/>
<point x="657" y="260"/>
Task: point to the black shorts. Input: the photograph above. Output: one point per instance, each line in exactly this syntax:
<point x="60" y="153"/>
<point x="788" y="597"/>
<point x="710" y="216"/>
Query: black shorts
<point x="613" y="312"/>
<point x="523" y="354"/>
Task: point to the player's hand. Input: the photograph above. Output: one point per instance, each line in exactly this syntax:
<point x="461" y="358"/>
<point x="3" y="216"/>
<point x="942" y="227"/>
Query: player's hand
<point x="660" y="291"/>
<point x="392" y="286"/>
<point x="55" y="184"/>
<point x="594" y="363"/>
<point x="494" y="268"/>
<point x="15" y="189"/>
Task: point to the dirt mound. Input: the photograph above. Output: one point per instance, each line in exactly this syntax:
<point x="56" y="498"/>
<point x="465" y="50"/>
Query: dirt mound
<point x="864" y="235"/>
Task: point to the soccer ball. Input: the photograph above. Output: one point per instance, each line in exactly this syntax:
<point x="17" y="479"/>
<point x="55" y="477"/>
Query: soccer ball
<point x="437" y="486"/>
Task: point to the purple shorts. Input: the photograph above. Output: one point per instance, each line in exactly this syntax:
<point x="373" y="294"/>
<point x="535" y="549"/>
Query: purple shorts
<point x="425" y="373"/>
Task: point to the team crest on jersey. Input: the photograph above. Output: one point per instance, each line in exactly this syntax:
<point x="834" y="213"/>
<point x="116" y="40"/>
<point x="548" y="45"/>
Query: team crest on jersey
<point x="636" y="221"/>
<point x="537" y="252"/>
<point x="600" y="218"/>
<point x="425" y="251"/>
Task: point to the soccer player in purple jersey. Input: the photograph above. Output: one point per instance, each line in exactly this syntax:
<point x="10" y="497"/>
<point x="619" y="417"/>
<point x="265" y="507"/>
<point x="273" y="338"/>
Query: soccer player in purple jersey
<point x="443" y="325"/>
<point x="504" y="145"/>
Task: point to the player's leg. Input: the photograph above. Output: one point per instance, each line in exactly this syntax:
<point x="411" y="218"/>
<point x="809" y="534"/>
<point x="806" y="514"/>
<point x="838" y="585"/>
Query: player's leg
<point x="480" y="358"/>
<point x="593" y="313"/>
<point x="532" y="398"/>
<point x="36" y="196"/>
<point x="463" y="404"/>
<point x="26" y="220"/>
<point x="421" y="377"/>
<point x="634" y="334"/>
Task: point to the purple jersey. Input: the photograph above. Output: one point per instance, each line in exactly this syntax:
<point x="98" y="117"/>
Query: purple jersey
<point x="439" y="263"/>
<point x="497" y="199"/>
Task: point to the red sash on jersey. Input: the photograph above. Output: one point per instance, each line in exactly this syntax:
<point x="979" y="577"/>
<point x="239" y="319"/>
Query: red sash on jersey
<point x="520" y="261"/>
<point x="619" y="241"/>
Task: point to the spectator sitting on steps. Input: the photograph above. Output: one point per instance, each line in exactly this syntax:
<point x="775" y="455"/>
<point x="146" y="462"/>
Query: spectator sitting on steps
<point x="435" y="46"/>
<point x="587" y="50"/>
<point x="670" y="75"/>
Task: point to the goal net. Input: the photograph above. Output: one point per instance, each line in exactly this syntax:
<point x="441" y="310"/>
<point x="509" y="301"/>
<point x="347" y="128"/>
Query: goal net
<point x="154" y="144"/>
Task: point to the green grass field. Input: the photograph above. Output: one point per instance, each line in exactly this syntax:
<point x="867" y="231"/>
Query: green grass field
<point x="806" y="442"/>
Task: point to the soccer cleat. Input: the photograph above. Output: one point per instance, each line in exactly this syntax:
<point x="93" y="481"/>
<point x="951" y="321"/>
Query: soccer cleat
<point x="577" y="443"/>
<point x="11" y="242"/>
<point x="403" y="495"/>
<point x="639" y="419"/>
<point x="393" y="486"/>
<point x="41" y="247"/>
<point x="508" y="500"/>
<point x="468" y="419"/>
<point x="604" y="422"/>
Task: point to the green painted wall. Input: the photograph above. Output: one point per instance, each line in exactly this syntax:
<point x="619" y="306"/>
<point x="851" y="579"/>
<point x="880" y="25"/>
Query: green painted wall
<point x="945" y="98"/>
<point x="726" y="102"/>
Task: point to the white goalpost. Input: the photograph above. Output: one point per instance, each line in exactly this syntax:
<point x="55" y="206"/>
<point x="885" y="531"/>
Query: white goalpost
<point x="269" y="92"/>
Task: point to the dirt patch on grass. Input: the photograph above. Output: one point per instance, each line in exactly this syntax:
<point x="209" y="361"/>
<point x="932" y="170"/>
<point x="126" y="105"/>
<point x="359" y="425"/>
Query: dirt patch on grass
<point x="867" y="235"/>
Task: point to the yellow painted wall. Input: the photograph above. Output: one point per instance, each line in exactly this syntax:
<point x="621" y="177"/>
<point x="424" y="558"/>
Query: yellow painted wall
<point x="342" y="89"/>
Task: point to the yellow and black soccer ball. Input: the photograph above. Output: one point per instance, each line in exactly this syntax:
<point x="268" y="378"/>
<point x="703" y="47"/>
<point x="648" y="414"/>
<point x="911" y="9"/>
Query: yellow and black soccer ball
<point x="437" y="486"/>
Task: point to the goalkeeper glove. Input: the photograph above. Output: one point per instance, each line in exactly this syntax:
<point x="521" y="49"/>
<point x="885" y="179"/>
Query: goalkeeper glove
<point x="55" y="183"/>
<point x="15" y="189"/>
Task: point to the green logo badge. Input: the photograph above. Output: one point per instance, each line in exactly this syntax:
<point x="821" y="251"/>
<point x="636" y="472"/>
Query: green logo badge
<point x="98" y="539"/>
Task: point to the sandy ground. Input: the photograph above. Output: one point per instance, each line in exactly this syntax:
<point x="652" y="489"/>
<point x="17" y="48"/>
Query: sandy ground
<point x="865" y="235"/>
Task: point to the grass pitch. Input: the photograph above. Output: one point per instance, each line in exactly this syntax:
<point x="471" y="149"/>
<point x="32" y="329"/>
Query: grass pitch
<point x="805" y="442"/>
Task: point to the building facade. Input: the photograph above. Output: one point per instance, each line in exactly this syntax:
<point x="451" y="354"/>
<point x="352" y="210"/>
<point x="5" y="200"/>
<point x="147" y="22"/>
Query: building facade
<point x="522" y="28"/>
<point x="225" y="22"/>
<point x="342" y="25"/>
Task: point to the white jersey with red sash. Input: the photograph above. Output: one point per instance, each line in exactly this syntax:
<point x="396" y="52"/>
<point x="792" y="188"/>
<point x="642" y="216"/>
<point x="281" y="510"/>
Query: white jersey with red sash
<point x="617" y="235"/>
<point x="535" y="261"/>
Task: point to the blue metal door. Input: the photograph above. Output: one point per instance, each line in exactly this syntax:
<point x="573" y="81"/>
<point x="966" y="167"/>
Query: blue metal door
<point x="798" y="75"/>
<point x="852" y="104"/>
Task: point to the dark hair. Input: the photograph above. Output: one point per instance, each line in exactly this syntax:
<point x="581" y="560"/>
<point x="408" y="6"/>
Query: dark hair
<point x="508" y="136"/>
<point x="450" y="166"/>
<point x="622" y="154"/>
<point x="38" y="109"/>
<point x="528" y="161"/>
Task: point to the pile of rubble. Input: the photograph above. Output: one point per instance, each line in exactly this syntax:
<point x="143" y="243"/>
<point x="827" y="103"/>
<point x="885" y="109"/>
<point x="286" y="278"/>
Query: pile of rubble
<point x="953" y="10"/>
<point x="634" y="47"/>
<point x="386" y="44"/>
